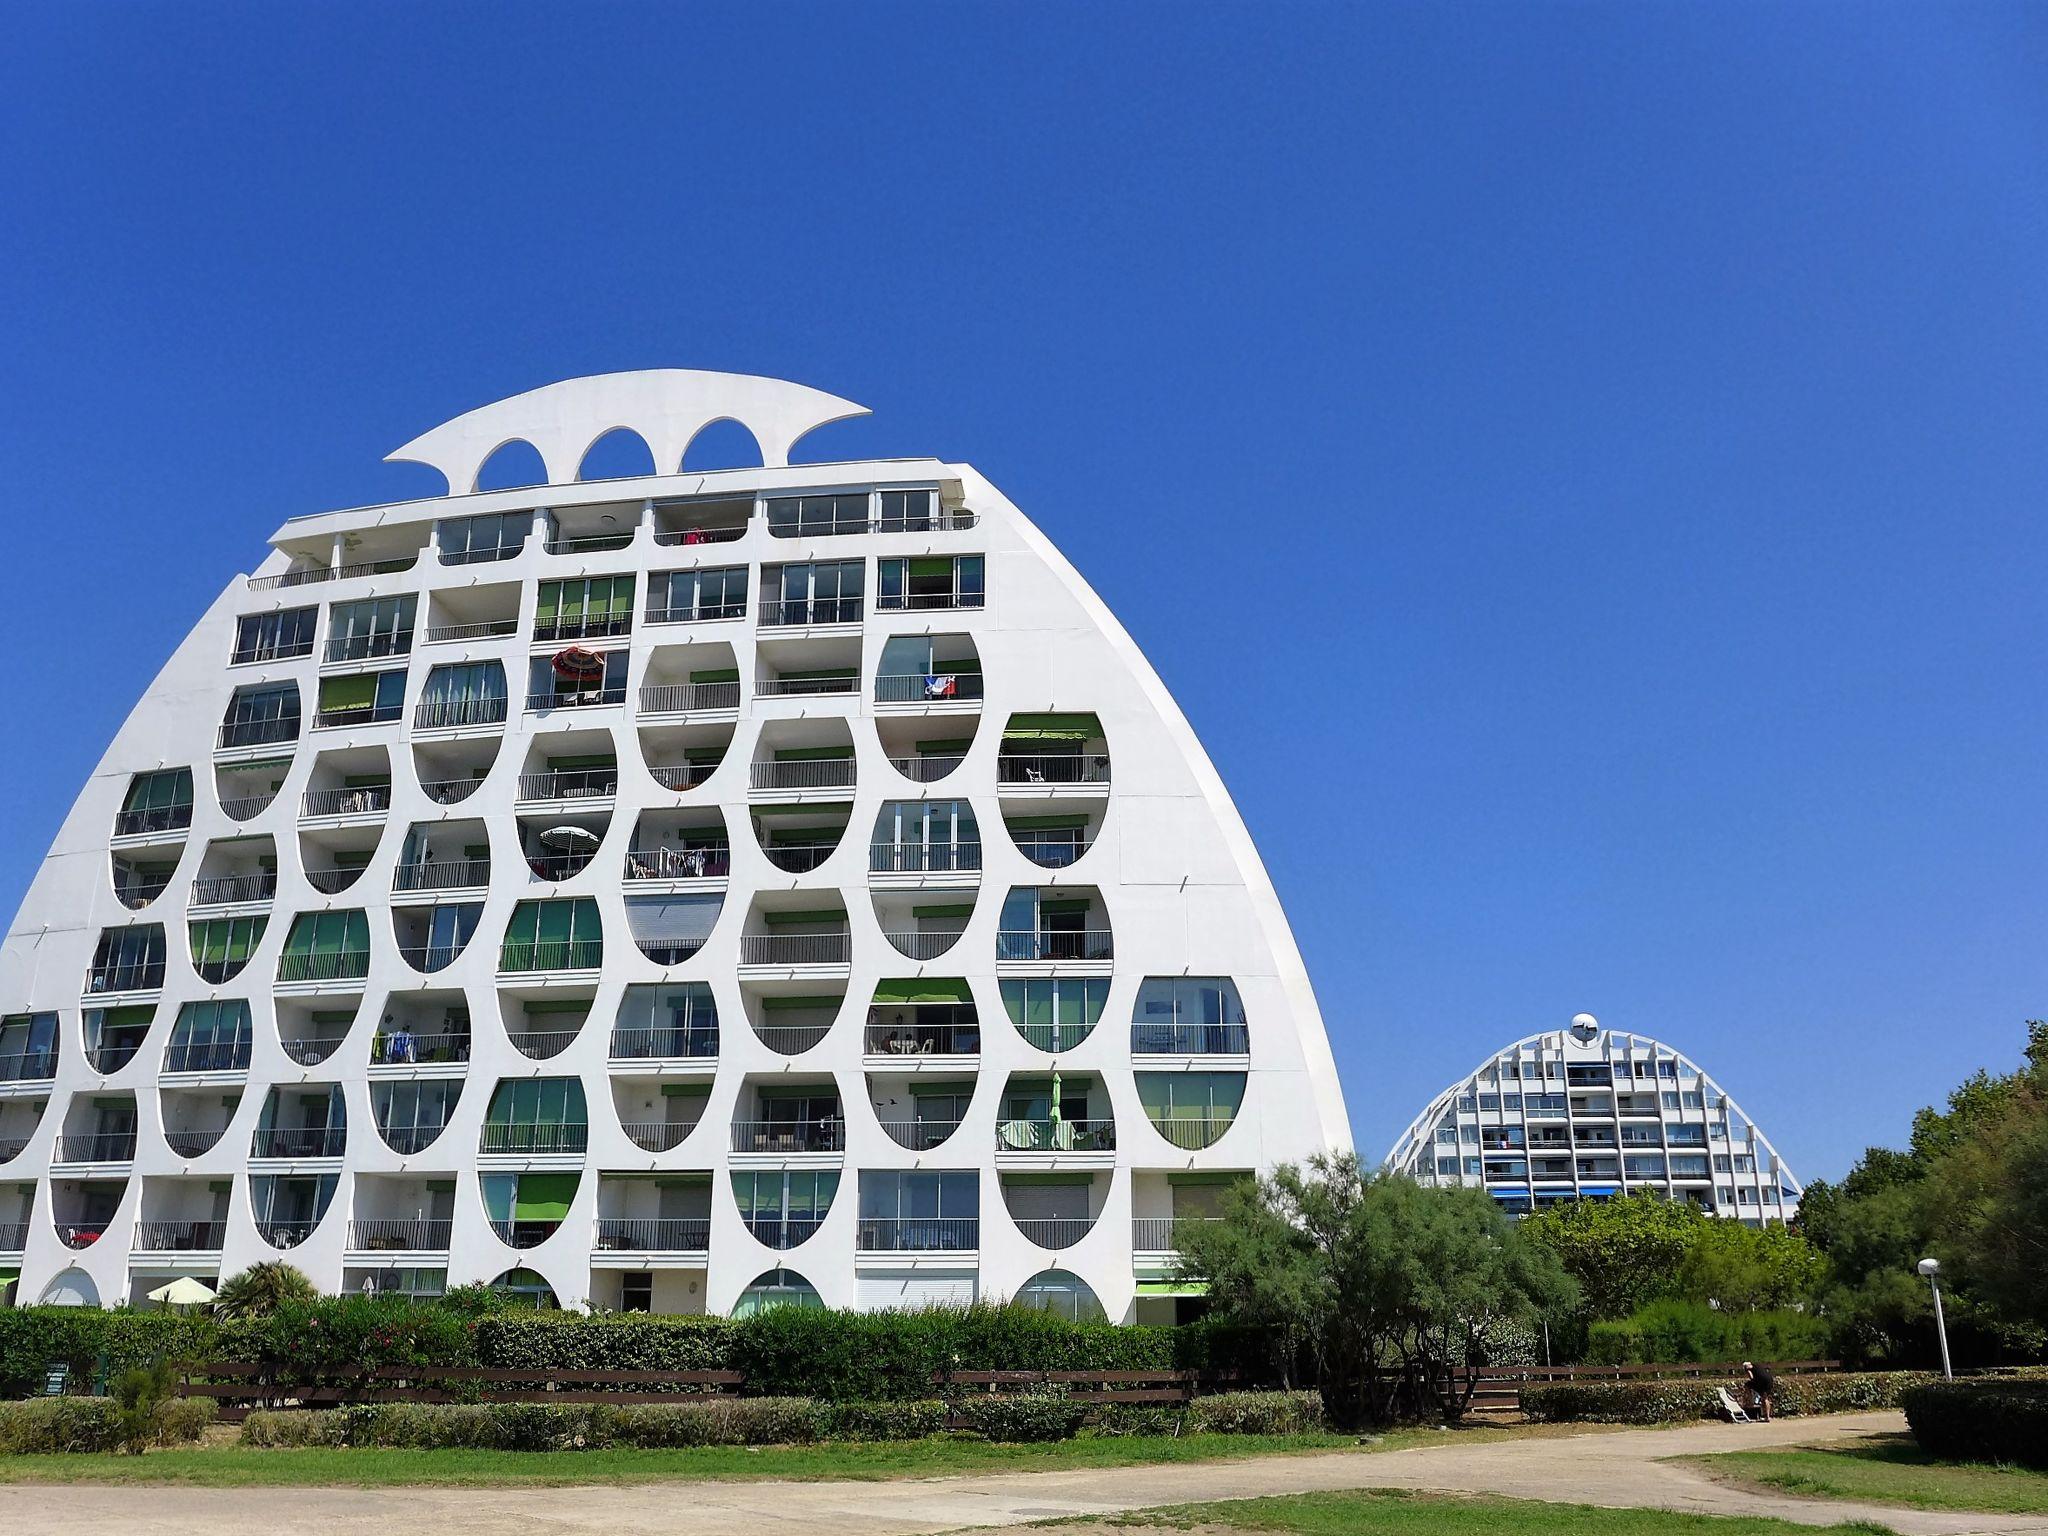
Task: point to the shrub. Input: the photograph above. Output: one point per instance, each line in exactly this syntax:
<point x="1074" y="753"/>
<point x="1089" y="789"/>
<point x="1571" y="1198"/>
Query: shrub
<point x="1041" y="1413"/>
<point x="183" y="1420"/>
<point x="1674" y="1330"/>
<point x="543" y="1426"/>
<point x="1257" y="1413"/>
<point x="563" y="1341"/>
<point x="1674" y="1402"/>
<point x="88" y="1339"/>
<point x="2004" y="1421"/>
<point x="289" y="1430"/>
<point x="881" y="1421"/>
<point x="1116" y="1420"/>
<point x="263" y="1288"/>
<point x="60" y="1425"/>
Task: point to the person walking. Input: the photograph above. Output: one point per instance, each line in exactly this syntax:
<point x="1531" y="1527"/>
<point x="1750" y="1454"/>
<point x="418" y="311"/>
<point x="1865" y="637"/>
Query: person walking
<point x="1761" y="1388"/>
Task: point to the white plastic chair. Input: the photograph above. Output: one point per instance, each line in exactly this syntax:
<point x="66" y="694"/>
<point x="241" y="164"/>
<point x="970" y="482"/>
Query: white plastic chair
<point x="1737" y="1414"/>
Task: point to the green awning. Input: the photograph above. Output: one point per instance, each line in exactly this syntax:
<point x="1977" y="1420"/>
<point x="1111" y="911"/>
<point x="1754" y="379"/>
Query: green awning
<point x="1065" y="905"/>
<point x="818" y="674"/>
<point x="9" y="1276"/>
<point x="358" y="691"/>
<point x="1211" y="1180"/>
<point x="256" y="765"/>
<point x="595" y="760"/>
<point x="1053" y="728"/>
<point x="686" y="1091"/>
<point x="543" y="1196"/>
<point x="919" y="1088"/>
<point x="923" y="990"/>
<point x="1044" y="823"/>
<point x="791" y="1004"/>
<point x="1045" y="1180"/>
<point x="814" y="754"/>
<point x="579" y="1006"/>
<point x="931" y="565"/>
<point x="716" y="675"/>
<point x="966" y="911"/>
<point x="944" y="748"/>
<point x="775" y="919"/>
<point x="1173" y="1287"/>
<point x="830" y="808"/>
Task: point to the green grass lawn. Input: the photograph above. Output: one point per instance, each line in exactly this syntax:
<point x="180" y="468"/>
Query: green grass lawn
<point x="1887" y="1471"/>
<point x="1391" y="1512"/>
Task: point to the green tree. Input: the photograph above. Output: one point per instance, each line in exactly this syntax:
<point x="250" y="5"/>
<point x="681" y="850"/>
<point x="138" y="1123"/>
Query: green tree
<point x="261" y="1289"/>
<point x="1623" y="1252"/>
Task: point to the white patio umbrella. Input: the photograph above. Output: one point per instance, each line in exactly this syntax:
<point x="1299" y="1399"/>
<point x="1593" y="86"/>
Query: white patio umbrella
<point x="183" y="1292"/>
<point x="566" y="837"/>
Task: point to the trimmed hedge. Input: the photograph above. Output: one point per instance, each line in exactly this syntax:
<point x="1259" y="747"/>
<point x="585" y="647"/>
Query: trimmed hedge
<point x="84" y="1338"/>
<point x="1257" y="1413"/>
<point x="1677" y="1402"/>
<point x="50" y="1425"/>
<point x="1040" y="1413"/>
<point x="1998" y="1421"/>
<point x="542" y="1426"/>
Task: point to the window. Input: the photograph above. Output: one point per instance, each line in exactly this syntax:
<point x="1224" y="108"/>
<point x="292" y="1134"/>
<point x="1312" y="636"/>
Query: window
<point x="564" y="935"/>
<point x="524" y="1288"/>
<point x="128" y="959"/>
<point x="925" y="836"/>
<point x="1061" y="1293"/>
<point x="930" y="581"/>
<point x="1447" y="1166"/>
<point x="550" y="686"/>
<point x="1191" y="1109"/>
<point x="1189" y="1015"/>
<point x="576" y="610"/>
<point x="493" y="536"/>
<point x="378" y="626"/>
<point x="361" y="698"/>
<point x="1055" y="1013"/>
<point x="28" y="1046"/>
<point x="527" y="1208"/>
<point x="326" y="946"/>
<point x="683" y="597"/>
<point x="221" y="946"/>
<point x="783" y="1209"/>
<point x="275" y="636"/>
<point x="210" y="1037"/>
<point x="412" y="1115"/>
<point x="157" y="802"/>
<point x="777" y="1288"/>
<point x="919" y="1211"/>
<point x="821" y="592"/>
<point x="469" y="693"/>
<point x="537" y="1114"/>
<point x="792" y="517"/>
<point x="908" y="512"/>
<point x="256" y="715"/>
<point x="636" y="1291"/>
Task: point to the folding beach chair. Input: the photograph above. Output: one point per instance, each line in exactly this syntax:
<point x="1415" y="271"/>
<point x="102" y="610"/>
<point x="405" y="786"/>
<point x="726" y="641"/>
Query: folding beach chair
<point x="1737" y="1414"/>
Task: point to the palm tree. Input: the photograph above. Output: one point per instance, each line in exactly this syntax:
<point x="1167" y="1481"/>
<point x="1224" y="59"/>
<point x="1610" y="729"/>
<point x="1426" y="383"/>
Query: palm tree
<point x="263" y="1288"/>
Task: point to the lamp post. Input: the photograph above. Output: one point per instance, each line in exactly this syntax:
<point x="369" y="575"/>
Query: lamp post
<point x="1930" y="1271"/>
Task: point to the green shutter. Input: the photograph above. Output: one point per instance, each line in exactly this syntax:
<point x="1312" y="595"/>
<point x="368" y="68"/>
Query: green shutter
<point x="945" y="748"/>
<point x="932" y="565"/>
<point x="1064" y="906"/>
<point x="543" y="1196"/>
<point x="716" y="675"/>
<point x="820" y="915"/>
<point x="791" y="1004"/>
<point x="813" y="754"/>
<point x="550" y="602"/>
<point x="357" y="691"/>
<point x="1053" y="728"/>
<point x="923" y="990"/>
<point x="1043" y="823"/>
<point x="966" y="911"/>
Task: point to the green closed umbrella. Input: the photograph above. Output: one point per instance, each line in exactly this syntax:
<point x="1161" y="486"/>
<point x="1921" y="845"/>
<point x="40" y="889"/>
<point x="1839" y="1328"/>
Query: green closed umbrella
<point x="1055" y="1114"/>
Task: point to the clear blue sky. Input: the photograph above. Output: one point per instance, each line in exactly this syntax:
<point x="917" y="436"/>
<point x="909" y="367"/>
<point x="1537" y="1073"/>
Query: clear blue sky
<point x="1580" y="467"/>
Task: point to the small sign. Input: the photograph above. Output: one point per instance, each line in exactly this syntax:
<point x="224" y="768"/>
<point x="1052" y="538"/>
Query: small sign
<point x="56" y="1377"/>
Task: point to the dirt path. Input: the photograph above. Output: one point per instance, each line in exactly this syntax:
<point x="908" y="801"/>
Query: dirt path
<point x="1621" y="1470"/>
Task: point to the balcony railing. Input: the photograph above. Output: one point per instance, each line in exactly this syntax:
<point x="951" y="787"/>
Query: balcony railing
<point x="1052" y="768"/>
<point x="927" y="687"/>
<point x="108" y="1056"/>
<point x="126" y="976"/>
<point x="400" y="1236"/>
<point x="701" y="613"/>
<point x="682" y="698"/>
<point x="451" y="791"/>
<point x="570" y="784"/>
<point x="428" y="958"/>
<point x="287" y="1234"/>
<point x="554" y="867"/>
<point x="799" y="858"/>
<point x="181" y="1236"/>
<point x="525" y="1234"/>
<point x="552" y="955"/>
<point x="207" y="1056"/>
<point x="589" y="626"/>
<point x="252" y="733"/>
<point x="13" y="1234"/>
<point x="784" y="1231"/>
<point x="158" y="818"/>
<point x="403" y="1048"/>
<point x="486" y="629"/>
<point x="326" y="965"/>
<point x="310" y="1050"/>
<point x="713" y="862"/>
<point x="548" y="1138"/>
<point x="441" y="875"/>
<point x="356" y="800"/>
<point x="82" y="1234"/>
<point x="668" y="951"/>
<point x="695" y="1042"/>
<point x="923" y="858"/>
<point x="1161" y="1234"/>
<point x="407" y="1140"/>
<point x="700" y="535"/>
<point x="242" y="807"/>
<point x="800" y="687"/>
<point x="779" y="612"/>
<point x="926" y="770"/>
<point x="792" y="1039"/>
<point x="317" y="573"/>
<point x="541" y="1044"/>
<point x="194" y="1143"/>
<point x="923" y="1040"/>
<point x="920" y="1135"/>
<point x="447" y="714"/>
<point x="224" y="890"/>
<point x="575" y="698"/>
<point x="396" y="642"/>
<point x="589" y="543"/>
<point x="271" y="650"/>
<point x="1193" y="1132"/>
<point x="919" y="1234"/>
<point x="804" y="773"/>
<point x="827" y="1135"/>
<point x="33" y="1066"/>
<point x="98" y="1147"/>
<point x="796" y="948"/>
<point x="299" y="1141"/>
<point x="484" y="554"/>
<point x="681" y="776"/>
<point x="923" y="945"/>
<point x="895" y="602"/>
<point x="1053" y="1231"/>
<point x="332" y="882"/>
<point x="1057" y="850"/>
<point x="657" y="1135"/>
<point x="138" y="891"/>
<point x="1055" y="1135"/>
<point x="1190" y="1040"/>
<point x="637" y="1234"/>
<point x="1085" y="944"/>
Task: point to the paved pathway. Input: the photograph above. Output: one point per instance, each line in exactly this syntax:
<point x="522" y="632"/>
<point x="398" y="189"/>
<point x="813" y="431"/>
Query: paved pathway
<point x="1617" y="1469"/>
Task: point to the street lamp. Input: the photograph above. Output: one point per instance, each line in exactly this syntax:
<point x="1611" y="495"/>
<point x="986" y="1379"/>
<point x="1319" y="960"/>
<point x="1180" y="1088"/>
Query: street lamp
<point x="1930" y="1271"/>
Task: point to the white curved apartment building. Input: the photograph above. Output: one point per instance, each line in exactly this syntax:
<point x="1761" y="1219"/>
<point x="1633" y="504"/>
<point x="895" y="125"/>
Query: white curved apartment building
<point x="686" y="891"/>
<point x="1587" y="1112"/>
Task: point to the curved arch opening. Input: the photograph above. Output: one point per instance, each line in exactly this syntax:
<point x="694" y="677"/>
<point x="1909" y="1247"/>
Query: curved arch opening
<point x="1061" y="1292"/>
<point x="1191" y="1110"/>
<point x="776" y="1288"/>
<point x="511" y="465"/>
<point x="723" y="444"/>
<point x="620" y="454"/>
<point x="526" y="1288"/>
<point x="71" y="1288"/>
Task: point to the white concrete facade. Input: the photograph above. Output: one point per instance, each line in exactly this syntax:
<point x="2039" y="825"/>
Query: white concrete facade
<point x="1587" y="1113"/>
<point x="941" y="721"/>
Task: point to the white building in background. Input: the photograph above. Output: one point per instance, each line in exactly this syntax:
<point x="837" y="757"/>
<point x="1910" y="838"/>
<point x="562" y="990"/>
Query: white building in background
<point x="1585" y="1113"/>
<point x="686" y="891"/>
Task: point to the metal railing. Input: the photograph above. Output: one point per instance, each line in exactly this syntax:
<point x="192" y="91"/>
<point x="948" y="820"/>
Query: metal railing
<point x="920" y="1135"/>
<point x="712" y="862"/>
<point x="404" y="1235"/>
<point x="927" y="770"/>
<point x="1050" y="1135"/>
<point x="668" y="951"/>
<point x="135" y="892"/>
<point x="699" y="613"/>
<point x="589" y="626"/>
<point x="682" y="698"/>
<point x="1053" y="1231"/>
<point x="101" y="1147"/>
<point x="541" y="1044"/>
<point x="700" y="535"/>
<point x="918" y="1234"/>
<point x="451" y="791"/>
<point x="694" y="1042"/>
<point x="207" y="1056"/>
<point x="286" y="1234"/>
<point x="181" y="1236"/>
<point x="441" y="875"/>
<point x="923" y="946"/>
<point x="897" y="602"/>
<point x="789" y="1135"/>
<point x="1161" y="1234"/>
<point x="106" y="1059"/>
<point x="525" y="1234"/>
<point x="796" y="948"/>
<point x="1190" y="1040"/>
<point x="779" y="612"/>
<point x="250" y="733"/>
<point x="447" y="714"/>
<point x="332" y="882"/>
<point x="485" y="629"/>
<point x="1052" y="768"/>
<point x="485" y="554"/>
<point x="31" y="1066"/>
<point x="923" y="858"/>
<point x="547" y="1138"/>
<point x="681" y="776"/>
<point x="666" y="1234"/>
<point x="317" y="573"/>
<point x="589" y="543"/>
<point x="560" y="866"/>
<point x="224" y="890"/>
<point x="792" y="1039"/>
<point x="407" y="1140"/>
<point x="799" y="858"/>
<point x="326" y="965"/>
<point x="1192" y="1132"/>
<point x="570" y="784"/>
<point x="126" y="976"/>
<point x="299" y="1141"/>
<point x="784" y="1231"/>
<point x="194" y="1143"/>
<point x="13" y="1234"/>
<point x="575" y="698"/>
<point x="158" y="818"/>
<point x="552" y="955"/>
<point x="428" y="958"/>
<point x="803" y="773"/>
<point x="397" y="642"/>
<point x="1085" y="944"/>
<point x="310" y="1050"/>
<point x="242" y="807"/>
<point x="923" y="1040"/>
<point x="356" y="800"/>
<point x="801" y="687"/>
<point x="927" y="687"/>
<point x="402" y="1048"/>
<point x="82" y="1234"/>
<point x="1055" y="851"/>
<point x="271" y="650"/>
<point x="657" y="1135"/>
